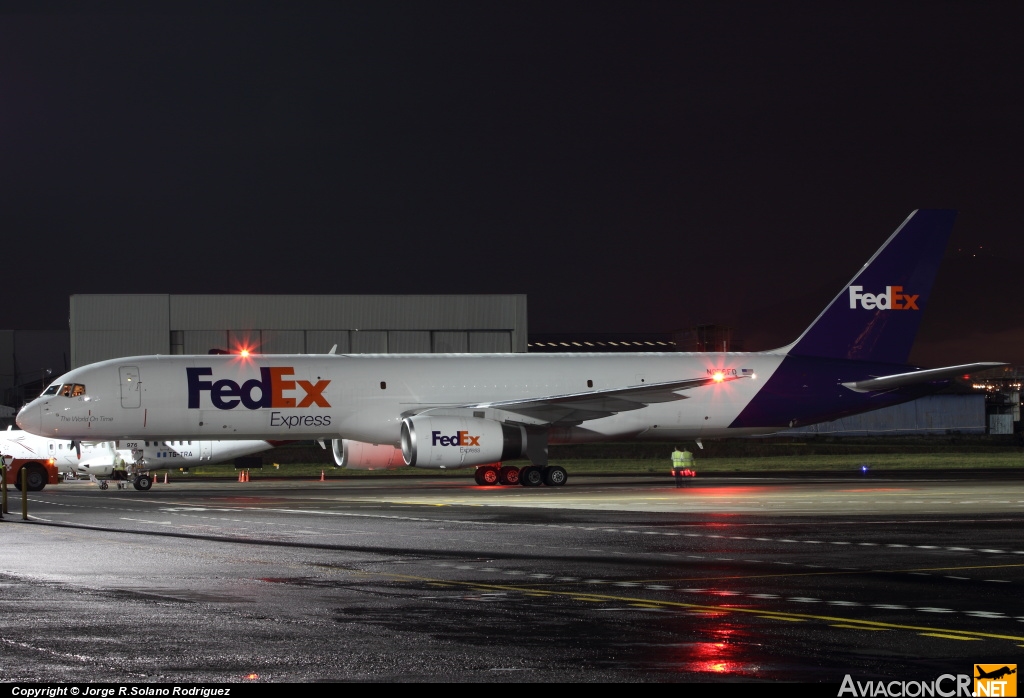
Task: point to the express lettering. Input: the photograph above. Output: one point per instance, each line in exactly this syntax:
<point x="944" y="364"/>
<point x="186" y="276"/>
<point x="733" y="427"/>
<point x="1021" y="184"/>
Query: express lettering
<point x="290" y="421"/>
<point x="270" y="390"/>
<point x="460" y="438"/>
<point x="892" y="299"/>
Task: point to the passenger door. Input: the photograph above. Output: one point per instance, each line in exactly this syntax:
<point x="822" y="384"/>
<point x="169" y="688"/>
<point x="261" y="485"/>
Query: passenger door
<point x="131" y="388"/>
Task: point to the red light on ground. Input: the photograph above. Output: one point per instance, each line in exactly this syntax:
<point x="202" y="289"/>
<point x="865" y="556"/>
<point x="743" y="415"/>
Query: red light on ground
<point x="712" y="667"/>
<point x="251" y="677"/>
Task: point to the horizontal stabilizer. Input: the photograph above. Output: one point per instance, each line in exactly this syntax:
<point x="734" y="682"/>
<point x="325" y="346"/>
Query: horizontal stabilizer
<point x="901" y="380"/>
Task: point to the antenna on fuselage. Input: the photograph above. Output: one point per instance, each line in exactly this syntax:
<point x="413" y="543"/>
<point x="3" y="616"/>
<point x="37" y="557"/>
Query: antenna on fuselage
<point x="333" y="349"/>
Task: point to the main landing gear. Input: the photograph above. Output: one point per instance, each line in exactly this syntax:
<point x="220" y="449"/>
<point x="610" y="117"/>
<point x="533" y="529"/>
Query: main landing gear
<point x="530" y="476"/>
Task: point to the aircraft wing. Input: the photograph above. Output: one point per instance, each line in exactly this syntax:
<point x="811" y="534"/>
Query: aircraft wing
<point x="900" y="380"/>
<point x="574" y="408"/>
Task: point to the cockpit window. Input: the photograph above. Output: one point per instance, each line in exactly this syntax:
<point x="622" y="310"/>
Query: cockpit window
<point x="65" y="389"/>
<point x="52" y="390"/>
<point x="79" y="389"/>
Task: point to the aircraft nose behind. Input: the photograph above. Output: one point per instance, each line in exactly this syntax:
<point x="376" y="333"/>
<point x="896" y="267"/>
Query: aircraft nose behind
<point x="30" y="419"/>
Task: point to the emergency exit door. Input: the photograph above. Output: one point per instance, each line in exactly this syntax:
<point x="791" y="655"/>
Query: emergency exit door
<point x="131" y="387"/>
<point x="205" y="450"/>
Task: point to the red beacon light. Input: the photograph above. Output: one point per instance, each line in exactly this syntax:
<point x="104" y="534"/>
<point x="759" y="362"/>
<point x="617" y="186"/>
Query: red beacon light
<point x="718" y="376"/>
<point x="244" y="352"/>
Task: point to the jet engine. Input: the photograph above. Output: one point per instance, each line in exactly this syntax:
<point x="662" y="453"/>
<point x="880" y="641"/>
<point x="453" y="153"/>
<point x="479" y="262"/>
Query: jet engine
<point x="357" y="455"/>
<point x="459" y="442"/>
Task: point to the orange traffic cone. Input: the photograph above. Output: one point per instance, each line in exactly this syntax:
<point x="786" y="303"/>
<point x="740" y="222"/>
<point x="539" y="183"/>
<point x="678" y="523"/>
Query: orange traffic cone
<point x="240" y="472"/>
<point x="246" y="476"/>
<point x="322" y="476"/>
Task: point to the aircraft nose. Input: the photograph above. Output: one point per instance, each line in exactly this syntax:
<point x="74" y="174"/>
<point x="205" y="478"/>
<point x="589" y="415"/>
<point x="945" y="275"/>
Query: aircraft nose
<point x="30" y="418"/>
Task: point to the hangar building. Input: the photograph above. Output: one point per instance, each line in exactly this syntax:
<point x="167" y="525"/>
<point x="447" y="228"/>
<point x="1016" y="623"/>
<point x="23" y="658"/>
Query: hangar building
<point x="106" y="326"/>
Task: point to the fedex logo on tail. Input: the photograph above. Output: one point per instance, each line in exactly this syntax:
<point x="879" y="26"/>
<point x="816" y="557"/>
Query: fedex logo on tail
<point x="892" y="299"/>
<point x="272" y="389"/>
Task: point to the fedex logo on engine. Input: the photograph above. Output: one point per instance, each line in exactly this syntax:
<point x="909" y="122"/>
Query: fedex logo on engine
<point x="271" y="389"/>
<point x="892" y="299"/>
<point x="459" y="438"/>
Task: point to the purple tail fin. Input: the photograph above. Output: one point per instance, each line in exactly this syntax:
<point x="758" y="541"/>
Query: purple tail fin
<point x="876" y="316"/>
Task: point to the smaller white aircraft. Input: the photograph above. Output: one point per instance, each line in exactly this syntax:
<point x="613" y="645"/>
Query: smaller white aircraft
<point x="97" y="459"/>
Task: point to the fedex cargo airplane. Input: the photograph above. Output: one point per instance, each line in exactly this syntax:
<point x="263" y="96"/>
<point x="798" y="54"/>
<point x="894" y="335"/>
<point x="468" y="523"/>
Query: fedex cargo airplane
<point x="478" y="410"/>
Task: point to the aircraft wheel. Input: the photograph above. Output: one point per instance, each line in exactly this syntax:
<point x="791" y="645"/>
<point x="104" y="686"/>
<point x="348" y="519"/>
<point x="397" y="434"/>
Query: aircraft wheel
<point x="555" y="476"/>
<point x="508" y="475"/>
<point x="143" y="482"/>
<point x="531" y="476"/>
<point x="104" y="485"/>
<point x="488" y="476"/>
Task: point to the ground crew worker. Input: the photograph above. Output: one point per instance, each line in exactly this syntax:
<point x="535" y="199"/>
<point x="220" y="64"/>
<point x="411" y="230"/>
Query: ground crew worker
<point x="682" y="465"/>
<point x="120" y="472"/>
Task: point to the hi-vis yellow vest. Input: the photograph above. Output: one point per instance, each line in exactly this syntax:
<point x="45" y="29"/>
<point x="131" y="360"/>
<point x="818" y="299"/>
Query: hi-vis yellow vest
<point x="682" y="459"/>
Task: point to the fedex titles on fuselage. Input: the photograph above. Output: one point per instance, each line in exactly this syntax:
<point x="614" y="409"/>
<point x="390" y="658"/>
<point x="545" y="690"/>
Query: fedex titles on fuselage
<point x="892" y="299"/>
<point x="274" y="389"/>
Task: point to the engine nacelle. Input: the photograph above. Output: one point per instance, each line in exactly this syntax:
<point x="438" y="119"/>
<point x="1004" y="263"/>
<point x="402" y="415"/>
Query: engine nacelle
<point x="357" y="455"/>
<point x="459" y="442"/>
<point x="100" y="467"/>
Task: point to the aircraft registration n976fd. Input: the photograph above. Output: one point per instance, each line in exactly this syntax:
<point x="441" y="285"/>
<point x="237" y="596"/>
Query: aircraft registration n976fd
<point x="450" y="411"/>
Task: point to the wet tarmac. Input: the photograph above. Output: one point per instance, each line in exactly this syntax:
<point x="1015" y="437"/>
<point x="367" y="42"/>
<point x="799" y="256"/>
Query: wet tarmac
<point x="605" y="579"/>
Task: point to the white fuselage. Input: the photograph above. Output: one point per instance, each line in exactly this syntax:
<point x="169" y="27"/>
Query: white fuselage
<point x="365" y="397"/>
<point x="98" y="457"/>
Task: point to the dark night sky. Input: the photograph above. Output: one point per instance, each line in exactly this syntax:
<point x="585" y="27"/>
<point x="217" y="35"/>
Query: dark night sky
<point x="630" y="166"/>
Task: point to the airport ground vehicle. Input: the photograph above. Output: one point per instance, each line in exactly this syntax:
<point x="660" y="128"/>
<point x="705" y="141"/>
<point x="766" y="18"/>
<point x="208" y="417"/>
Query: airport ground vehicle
<point x="41" y="472"/>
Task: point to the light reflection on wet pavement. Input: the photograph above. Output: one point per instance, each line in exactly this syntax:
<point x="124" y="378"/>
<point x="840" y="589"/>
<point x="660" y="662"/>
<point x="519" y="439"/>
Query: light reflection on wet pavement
<point x="362" y="584"/>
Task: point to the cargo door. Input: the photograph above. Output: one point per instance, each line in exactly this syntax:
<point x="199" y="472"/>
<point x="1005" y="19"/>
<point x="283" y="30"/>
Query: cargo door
<point x="131" y="388"/>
